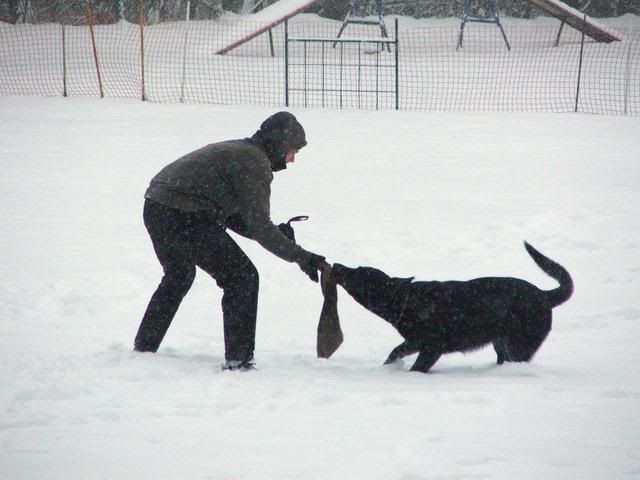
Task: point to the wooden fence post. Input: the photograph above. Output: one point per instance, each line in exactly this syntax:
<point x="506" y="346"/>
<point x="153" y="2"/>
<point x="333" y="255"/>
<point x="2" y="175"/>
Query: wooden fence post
<point x="93" y="42"/>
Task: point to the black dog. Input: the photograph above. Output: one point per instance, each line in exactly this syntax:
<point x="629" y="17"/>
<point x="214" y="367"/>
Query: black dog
<point x="445" y="317"/>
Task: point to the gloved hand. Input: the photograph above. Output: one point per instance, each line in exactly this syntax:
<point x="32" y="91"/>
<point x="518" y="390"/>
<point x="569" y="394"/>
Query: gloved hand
<point x="287" y="230"/>
<point x="311" y="266"/>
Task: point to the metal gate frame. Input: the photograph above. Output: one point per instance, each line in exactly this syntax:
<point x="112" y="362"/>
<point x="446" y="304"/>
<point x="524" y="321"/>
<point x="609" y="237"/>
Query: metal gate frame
<point x="379" y="44"/>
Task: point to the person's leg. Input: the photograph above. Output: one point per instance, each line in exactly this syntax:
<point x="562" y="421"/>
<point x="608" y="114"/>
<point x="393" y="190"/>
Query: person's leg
<point x="169" y="232"/>
<point x="221" y="257"/>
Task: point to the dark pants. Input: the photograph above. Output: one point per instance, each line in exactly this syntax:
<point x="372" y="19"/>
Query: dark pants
<point x="182" y="241"/>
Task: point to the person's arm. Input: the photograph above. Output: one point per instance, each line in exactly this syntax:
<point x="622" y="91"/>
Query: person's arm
<point x="237" y="224"/>
<point x="251" y="181"/>
<point x="252" y="185"/>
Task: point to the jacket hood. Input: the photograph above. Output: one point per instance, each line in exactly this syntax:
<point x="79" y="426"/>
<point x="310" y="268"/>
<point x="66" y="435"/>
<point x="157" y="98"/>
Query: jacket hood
<point x="277" y="135"/>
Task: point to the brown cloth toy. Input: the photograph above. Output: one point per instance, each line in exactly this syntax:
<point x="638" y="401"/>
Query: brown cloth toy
<point x="330" y="335"/>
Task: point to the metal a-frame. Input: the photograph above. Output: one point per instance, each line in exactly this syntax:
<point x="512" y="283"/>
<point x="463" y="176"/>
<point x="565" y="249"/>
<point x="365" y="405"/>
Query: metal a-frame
<point x="352" y="17"/>
<point x="491" y="16"/>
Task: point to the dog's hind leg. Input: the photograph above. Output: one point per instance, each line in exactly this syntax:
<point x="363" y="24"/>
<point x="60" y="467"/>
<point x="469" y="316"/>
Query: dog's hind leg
<point x="404" y="349"/>
<point x="523" y="345"/>
<point x="426" y="359"/>
<point x="525" y="352"/>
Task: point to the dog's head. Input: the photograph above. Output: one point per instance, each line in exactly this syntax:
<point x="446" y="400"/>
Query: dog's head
<point x="375" y="290"/>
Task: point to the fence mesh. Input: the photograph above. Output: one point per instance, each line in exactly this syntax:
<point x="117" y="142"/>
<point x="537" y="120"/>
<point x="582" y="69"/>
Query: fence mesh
<point x="179" y="63"/>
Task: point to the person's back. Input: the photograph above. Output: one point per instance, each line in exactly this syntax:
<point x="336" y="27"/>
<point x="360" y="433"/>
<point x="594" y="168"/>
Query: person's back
<point x="202" y="179"/>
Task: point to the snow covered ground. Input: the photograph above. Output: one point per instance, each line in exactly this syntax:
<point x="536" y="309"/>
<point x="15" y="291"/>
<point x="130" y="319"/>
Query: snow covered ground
<point x="437" y="196"/>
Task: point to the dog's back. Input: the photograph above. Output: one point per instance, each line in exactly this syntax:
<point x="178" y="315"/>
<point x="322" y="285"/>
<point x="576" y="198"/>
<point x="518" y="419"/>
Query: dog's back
<point x="461" y="316"/>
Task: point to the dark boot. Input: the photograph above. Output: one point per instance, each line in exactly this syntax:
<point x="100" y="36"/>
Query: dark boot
<point x="239" y="366"/>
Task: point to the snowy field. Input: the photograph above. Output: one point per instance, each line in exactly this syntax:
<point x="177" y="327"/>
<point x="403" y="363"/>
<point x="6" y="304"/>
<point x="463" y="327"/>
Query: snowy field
<point x="436" y="196"/>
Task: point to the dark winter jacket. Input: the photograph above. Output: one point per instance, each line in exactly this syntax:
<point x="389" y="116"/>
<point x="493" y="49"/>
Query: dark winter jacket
<point x="232" y="180"/>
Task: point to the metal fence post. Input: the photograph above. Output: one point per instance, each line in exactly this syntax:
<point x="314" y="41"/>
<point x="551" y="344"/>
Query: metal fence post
<point x="142" y="86"/>
<point x="323" y="75"/>
<point x="306" y="98"/>
<point x="580" y="63"/>
<point x="627" y="79"/>
<point x="397" y="68"/>
<point x="378" y="77"/>
<point x="184" y="53"/>
<point x="286" y="63"/>
<point x="64" y="63"/>
<point x="341" y="71"/>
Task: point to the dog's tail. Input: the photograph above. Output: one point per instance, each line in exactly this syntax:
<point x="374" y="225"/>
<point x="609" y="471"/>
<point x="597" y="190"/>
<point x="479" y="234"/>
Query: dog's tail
<point x="558" y="272"/>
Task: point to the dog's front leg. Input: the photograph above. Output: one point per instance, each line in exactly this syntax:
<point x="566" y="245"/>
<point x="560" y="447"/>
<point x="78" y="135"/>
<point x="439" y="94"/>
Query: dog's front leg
<point x="426" y="359"/>
<point x="401" y="351"/>
<point x="501" y="350"/>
